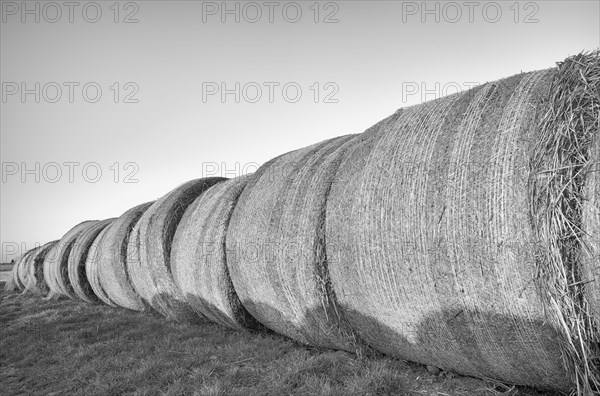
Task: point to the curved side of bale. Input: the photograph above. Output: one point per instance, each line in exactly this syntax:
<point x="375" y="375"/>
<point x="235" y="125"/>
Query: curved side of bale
<point x="113" y="273"/>
<point x="47" y="268"/>
<point x="138" y="277"/>
<point x="561" y="165"/>
<point x="92" y="263"/>
<point x="36" y="283"/>
<point x="17" y="271"/>
<point x="78" y="258"/>
<point x="59" y="264"/>
<point x="276" y="247"/>
<point x="149" y="264"/>
<point x="430" y="241"/>
<point x="198" y="259"/>
<point x="23" y="270"/>
<point x="14" y="274"/>
<point x="591" y="237"/>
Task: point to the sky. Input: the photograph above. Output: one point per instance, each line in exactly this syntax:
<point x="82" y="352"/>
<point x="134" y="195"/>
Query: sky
<point x="108" y="104"/>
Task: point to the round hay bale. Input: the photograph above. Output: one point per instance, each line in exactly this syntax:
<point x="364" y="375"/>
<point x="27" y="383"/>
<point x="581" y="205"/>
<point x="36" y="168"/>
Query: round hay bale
<point x="16" y="273"/>
<point x="23" y="269"/>
<point x="57" y="265"/>
<point x="92" y="263"/>
<point x="36" y="283"/>
<point x="112" y="271"/>
<point x="78" y="258"/>
<point x="149" y="251"/>
<point x="434" y="236"/>
<point x="276" y="247"/>
<point x="198" y="259"/>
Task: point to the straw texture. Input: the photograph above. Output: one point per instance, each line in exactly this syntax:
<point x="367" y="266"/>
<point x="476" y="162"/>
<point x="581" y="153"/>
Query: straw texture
<point x="93" y="262"/>
<point x="150" y="255"/>
<point x="77" y="261"/>
<point x="561" y="162"/>
<point x="23" y="269"/>
<point x="591" y="237"/>
<point x="430" y="242"/>
<point x="198" y="259"/>
<point x="36" y="283"/>
<point x="16" y="283"/>
<point x="47" y="264"/>
<point x="276" y="249"/>
<point x="56" y="266"/>
<point x="112" y="271"/>
<point x="462" y="233"/>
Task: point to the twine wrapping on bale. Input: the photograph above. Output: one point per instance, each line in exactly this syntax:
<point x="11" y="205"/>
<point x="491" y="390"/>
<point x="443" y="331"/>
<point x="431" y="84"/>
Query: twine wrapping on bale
<point x="433" y="251"/>
<point x="561" y="164"/>
<point x="276" y="249"/>
<point x="198" y="260"/>
<point x="112" y="268"/>
<point x="78" y="258"/>
<point x="92" y="263"/>
<point x="149" y="251"/>
<point x="36" y="283"/>
<point x="56" y="266"/>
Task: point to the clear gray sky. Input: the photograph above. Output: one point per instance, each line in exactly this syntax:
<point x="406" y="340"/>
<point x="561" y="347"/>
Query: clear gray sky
<point x="106" y="106"/>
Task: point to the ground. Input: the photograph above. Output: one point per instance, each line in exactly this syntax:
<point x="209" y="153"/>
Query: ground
<point x="63" y="347"/>
<point x="5" y="272"/>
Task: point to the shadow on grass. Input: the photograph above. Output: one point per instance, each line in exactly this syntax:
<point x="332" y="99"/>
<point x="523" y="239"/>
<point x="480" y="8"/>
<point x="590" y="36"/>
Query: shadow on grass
<point x="66" y="347"/>
<point x="452" y="341"/>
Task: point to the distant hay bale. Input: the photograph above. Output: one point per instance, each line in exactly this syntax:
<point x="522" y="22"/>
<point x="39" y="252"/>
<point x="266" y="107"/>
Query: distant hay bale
<point x="112" y="270"/>
<point x="56" y="266"/>
<point x="276" y="247"/>
<point x="17" y="272"/>
<point x="92" y="262"/>
<point x="451" y="238"/>
<point x="23" y="268"/>
<point x="149" y="251"/>
<point x="36" y="283"/>
<point x="78" y="258"/>
<point x="198" y="260"/>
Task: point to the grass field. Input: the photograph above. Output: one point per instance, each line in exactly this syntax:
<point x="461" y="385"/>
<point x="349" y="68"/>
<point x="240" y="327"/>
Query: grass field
<point x="68" y="348"/>
<point x="6" y="266"/>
